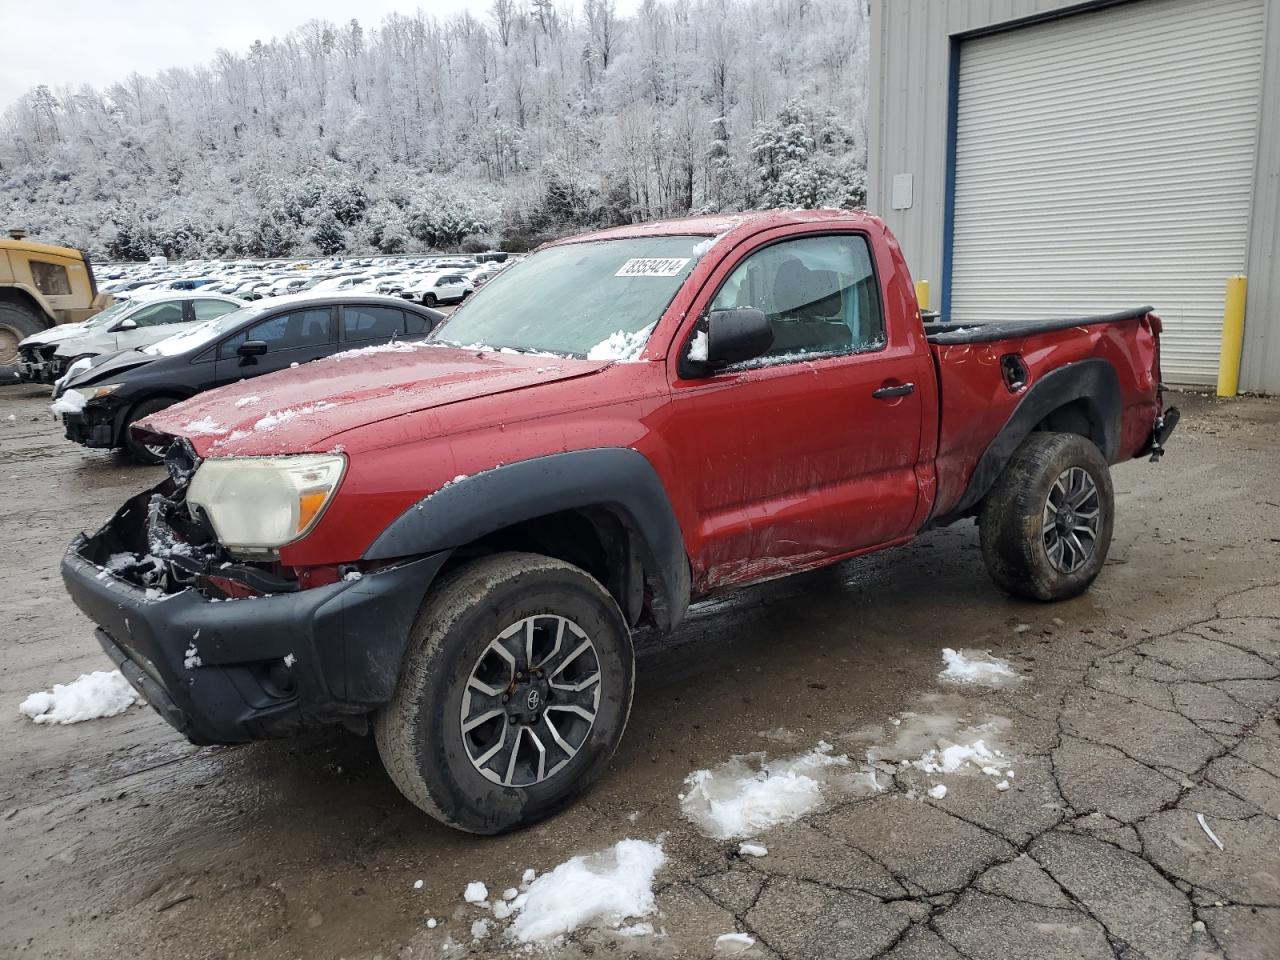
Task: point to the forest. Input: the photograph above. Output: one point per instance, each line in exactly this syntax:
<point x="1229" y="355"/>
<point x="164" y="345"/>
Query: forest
<point x="523" y="121"/>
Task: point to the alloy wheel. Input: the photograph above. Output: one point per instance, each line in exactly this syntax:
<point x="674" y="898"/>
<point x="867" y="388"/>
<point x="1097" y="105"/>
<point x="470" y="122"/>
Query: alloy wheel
<point x="531" y="700"/>
<point x="1071" y="520"/>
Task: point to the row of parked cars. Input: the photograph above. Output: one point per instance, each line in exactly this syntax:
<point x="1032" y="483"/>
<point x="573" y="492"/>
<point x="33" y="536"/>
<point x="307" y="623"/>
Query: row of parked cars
<point x="431" y="281"/>
<point x="148" y="352"/>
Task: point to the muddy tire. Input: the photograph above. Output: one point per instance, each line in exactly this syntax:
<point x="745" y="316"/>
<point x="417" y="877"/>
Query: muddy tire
<point x="1046" y="524"/>
<point x="140" y="452"/>
<point x="513" y="696"/>
<point x="16" y="324"/>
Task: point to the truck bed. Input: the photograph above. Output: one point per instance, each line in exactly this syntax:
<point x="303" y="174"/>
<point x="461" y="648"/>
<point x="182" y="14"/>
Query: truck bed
<point x="956" y="333"/>
<point x="1100" y="374"/>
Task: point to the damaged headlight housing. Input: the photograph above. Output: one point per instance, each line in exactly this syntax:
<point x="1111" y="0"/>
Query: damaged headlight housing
<point x="259" y="504"/>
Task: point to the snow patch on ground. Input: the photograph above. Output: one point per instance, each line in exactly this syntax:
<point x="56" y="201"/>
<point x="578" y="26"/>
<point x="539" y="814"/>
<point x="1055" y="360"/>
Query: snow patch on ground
<point x="103" y="693"/>
<point x="976" y="667"/>
<point x="623" y="346"/>
<point x="952" y="757"/>
<point x="731" y="944"/>
<point x="71" y="401"/>
<point x="610" y="886"/>
<point x="752" y="850"/>
<point x="476" y="892"/>
<point x="746" y="795"/>
<point x="938" y="792"/>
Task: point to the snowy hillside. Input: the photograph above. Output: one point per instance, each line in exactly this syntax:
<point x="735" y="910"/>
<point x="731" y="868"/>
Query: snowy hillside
<point x="526" y="120"/>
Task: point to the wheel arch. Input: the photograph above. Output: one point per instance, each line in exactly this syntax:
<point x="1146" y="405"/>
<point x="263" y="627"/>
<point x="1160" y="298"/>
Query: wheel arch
<point x="1082" y="398"/>
<point x="20" y="296"/>
<point x="603" y="509"/>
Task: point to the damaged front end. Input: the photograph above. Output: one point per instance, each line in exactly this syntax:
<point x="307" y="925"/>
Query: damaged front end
<point x="156" y="543"/>
<point x="228" y="650"/>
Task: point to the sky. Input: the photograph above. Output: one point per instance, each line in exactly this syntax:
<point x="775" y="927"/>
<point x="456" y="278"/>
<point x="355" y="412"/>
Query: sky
<point x="97" y="42"/>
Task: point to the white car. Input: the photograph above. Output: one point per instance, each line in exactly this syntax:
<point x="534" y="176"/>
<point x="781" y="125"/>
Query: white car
<point x="143" y="321"/>
<point x="437" y="288"/>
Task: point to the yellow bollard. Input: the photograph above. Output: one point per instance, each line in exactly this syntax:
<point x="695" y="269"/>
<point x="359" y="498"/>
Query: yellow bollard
<point x="922" y="294"/>
<point x="1232" y="337"/>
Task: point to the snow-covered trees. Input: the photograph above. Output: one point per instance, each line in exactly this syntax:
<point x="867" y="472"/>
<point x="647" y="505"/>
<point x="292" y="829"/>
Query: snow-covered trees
<point x="519" y="122"/>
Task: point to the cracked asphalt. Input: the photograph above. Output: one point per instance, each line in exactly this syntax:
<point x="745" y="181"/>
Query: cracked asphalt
<point x="1148" y="701"/>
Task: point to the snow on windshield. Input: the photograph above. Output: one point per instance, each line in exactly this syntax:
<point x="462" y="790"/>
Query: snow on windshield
<point x="203" y="333"/>
<point x="600" y="299"/>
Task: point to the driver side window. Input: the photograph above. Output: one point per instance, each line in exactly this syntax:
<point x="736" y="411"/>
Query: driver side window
<point x="819" y="293"/>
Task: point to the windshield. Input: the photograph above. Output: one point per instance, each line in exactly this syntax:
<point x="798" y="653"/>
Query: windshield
<point x="108" y="315"/>
<point x="202" y="334"/>
<point x="598" y="299"/>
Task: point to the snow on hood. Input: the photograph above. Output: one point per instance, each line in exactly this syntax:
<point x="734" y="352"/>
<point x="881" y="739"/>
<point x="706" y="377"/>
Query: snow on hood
<point x="297" y="409"/>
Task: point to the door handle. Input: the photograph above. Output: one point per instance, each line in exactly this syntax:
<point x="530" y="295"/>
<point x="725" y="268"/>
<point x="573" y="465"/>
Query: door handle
<point x="888" y="393"/>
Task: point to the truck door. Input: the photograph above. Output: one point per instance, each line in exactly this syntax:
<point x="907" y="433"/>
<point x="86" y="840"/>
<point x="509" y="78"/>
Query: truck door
<point x="809" y="451"/>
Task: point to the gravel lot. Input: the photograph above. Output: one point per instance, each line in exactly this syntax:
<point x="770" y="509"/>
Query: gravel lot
<point x="1147" y="701"/>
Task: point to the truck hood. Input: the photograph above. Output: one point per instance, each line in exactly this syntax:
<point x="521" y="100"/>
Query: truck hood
<point x="296" y="410"/>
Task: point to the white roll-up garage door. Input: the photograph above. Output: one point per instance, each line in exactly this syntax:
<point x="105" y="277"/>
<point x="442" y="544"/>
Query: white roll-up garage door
<point x="1105" y="160"/>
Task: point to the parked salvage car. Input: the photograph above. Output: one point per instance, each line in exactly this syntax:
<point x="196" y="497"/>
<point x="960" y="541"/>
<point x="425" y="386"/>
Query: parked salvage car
<point x="148" y="319"/>
<point x="98" y="405"/>
<point x="35" y="352"/>
<point x="454" y="542"/>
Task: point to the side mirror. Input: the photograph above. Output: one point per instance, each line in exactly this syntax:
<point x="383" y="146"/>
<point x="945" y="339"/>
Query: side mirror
<point x="125" y="324"/>
<point x="733" y="336"/>
<point x="250" y="350"/>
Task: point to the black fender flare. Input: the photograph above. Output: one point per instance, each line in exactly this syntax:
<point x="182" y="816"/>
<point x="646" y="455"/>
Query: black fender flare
<point x="618" y="479"/>
<point x="1093" y="381"/>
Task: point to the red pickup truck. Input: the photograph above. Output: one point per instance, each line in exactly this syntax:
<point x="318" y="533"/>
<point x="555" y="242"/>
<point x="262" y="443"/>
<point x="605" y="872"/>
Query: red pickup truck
<point x="454" y="539"/>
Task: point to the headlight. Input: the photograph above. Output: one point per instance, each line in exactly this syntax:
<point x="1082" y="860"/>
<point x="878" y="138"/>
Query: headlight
<point x="257" y="504"/>
<point x="101" y="390"/>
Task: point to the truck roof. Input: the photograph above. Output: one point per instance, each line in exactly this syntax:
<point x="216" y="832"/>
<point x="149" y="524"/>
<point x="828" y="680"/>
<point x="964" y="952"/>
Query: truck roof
<point x="716" y="224"/>
<point x="31" y="246"/>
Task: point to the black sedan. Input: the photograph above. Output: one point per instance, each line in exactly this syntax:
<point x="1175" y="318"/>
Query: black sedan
<point x="100" y="403"/>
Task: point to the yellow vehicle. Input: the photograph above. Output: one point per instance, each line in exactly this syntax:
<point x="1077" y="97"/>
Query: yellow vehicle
<point x="42" y="285"/>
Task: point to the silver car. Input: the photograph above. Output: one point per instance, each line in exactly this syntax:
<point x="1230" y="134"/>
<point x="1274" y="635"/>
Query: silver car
<point x="148" y="320"/>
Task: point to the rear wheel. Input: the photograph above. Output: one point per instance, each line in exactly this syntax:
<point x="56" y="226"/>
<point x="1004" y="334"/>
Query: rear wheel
<point x="514" y="694"/>
<point x="1046" y="524"/>
<point x="16" y="324"/>
<point x="146" y="453"/>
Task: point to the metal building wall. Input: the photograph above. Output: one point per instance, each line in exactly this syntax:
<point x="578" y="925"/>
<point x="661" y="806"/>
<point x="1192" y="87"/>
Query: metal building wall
<point x="910" y="73"/>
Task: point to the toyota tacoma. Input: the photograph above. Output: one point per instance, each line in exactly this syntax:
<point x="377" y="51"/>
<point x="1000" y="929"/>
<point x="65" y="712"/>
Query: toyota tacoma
<point x="452" y="541"/>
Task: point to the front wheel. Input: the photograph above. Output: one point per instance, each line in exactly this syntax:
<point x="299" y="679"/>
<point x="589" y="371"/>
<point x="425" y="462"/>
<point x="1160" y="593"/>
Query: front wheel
<point x="1046" y="524"/>
<point x="514" y="693"/>
<point x="149" y="454"/>
<point x="430" y="300"/>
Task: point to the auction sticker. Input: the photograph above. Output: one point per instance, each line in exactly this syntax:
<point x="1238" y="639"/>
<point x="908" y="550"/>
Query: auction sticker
<point x="652" y="267"/>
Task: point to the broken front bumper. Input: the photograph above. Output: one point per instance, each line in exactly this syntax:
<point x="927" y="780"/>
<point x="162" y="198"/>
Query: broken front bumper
<point x="229" y="671"/>
<point x="94" y="426"/>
